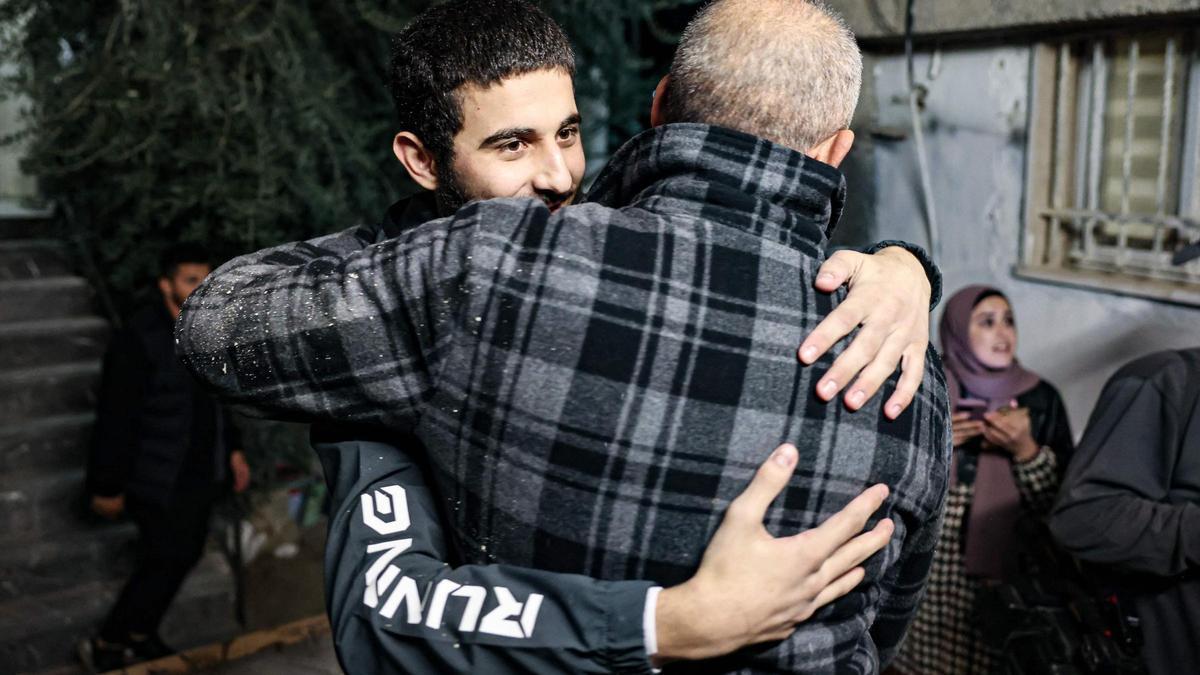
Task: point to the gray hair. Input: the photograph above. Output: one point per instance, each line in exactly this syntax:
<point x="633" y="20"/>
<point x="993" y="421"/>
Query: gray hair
<point x="786" y="70"/>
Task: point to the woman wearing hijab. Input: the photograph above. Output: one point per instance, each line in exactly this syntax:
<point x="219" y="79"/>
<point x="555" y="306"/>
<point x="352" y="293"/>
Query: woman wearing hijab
<point x="1011" y="445"/>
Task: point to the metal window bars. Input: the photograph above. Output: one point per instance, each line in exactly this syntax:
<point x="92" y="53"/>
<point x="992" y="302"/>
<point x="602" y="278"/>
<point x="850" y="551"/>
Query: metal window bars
<point x="1125" y="165"/>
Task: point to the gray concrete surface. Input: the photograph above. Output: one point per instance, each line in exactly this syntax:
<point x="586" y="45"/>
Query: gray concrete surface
<point x="883" y="19"/>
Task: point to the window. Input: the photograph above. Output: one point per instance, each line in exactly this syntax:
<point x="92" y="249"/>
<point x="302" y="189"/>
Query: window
<point x="1113" y="191"/>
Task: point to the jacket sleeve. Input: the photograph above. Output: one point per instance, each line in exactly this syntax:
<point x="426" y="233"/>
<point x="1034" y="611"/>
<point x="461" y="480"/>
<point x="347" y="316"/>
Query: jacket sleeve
<point x="331" y="328"/>
<point x="904" y="586"/>
<point x="1120" y="476"/>
<point x="115" y="436"/>
<point x="396" y="606"/>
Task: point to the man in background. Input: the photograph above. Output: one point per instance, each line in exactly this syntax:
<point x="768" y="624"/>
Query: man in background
<point x="1131" y="500"/>
<point x="162" y="451"/>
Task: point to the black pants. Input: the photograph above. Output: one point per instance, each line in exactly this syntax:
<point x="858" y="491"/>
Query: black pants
<point x="172" y="542"/>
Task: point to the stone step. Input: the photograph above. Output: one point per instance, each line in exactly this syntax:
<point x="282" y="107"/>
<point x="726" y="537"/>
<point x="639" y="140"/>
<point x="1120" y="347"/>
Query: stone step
<point x="56" y="442"/>
<point x="45" y="298"/>
<point x="104" y="551"/>
<point x="25" y="228"/>
<point x="39" y="632"/>
<point x="25" y="344"/>
<point x="29" y="394"/>
<point x="32" y="259"/>
<point x="35" y="505"/>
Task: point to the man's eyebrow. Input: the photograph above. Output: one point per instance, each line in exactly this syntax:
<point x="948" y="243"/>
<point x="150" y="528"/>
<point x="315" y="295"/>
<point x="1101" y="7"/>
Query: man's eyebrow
<point x="522" y="132"/>
<point x="504" y="134"/>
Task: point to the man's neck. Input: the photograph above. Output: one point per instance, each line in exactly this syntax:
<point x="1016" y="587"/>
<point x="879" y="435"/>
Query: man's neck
<point x="726" y="176"/>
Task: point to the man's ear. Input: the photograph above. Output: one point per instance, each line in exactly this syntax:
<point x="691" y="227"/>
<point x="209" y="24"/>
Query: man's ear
<point x="656" y="108"/>
<point x="164" y="285"/>
<point x="417" y="160"/>
<point x="834" y="149"/>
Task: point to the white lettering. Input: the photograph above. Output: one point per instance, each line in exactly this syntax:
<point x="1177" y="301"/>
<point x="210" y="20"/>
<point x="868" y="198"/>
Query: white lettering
<point x="389" y="500"/>
<point x="437" y="606"/>
<point x="499" y="621"/>
<point x="393" y="549"/>
<point x="475" y="596"/>
<point x="406" y="591"/>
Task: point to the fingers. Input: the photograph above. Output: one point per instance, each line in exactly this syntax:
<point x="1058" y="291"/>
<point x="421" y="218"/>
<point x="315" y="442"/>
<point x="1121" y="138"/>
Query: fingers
<point x="841" y="527"/>
<point x="876" y="372"/>
<point x="841" y="586"/>
<point x="911" y="374"/>
<point x="854" y="552"/>
<point x="768" y="482"/>
<point x="960" y="416"/>
<point x="837" y="325"/>
<point x="865" y="348"/>
<point x="837" y="270"/>
<point x="971" y="427"/>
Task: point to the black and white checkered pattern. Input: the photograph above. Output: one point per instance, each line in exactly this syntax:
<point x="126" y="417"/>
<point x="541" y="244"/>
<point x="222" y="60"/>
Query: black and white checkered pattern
<point x="944" y="639"/>
<point x="593" y="386"/>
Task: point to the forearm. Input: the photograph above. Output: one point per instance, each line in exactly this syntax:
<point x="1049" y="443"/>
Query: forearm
<point x="115" y="437"/>
<point x="1131" y="532"/>
<point x="324" y="329"/>
<point x="392" y="594"/>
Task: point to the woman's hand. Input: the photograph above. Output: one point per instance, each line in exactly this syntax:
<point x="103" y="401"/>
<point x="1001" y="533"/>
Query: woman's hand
<point x="1011" y="430"/>
<point x="964" y="428"/>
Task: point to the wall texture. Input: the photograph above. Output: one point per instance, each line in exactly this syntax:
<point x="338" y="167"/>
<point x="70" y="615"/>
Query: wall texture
<point x="884" y="19"/>
<point x="975" y="122"/>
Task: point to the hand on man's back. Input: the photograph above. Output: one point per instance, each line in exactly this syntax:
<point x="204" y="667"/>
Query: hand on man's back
<point x="889" y="298"/>
<point x="752" y="587"/>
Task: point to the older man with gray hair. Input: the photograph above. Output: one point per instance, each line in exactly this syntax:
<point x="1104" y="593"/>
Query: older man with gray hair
<point x="593" y="386"/>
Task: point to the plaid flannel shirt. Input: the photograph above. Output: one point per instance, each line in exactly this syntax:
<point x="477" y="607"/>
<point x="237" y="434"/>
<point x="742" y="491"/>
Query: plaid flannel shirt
<point x="594" y="386"/>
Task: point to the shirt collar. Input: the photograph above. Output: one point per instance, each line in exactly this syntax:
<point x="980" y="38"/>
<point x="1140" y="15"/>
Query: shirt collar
<point x="408" y="213"/>
<point x="726" y="176"/>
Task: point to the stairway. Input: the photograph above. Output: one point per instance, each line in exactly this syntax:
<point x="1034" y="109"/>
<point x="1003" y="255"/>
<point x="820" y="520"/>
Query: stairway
<point x="61" y="567"/>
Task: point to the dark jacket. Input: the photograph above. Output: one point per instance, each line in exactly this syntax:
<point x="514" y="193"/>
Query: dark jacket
<point x="1131" y="499"/>
<point x="592" y="387"/>
<point x="157" y="432"/>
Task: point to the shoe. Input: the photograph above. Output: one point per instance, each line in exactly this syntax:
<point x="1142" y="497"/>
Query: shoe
<point x="100" y="656"/>
<point x="149" y="647"/>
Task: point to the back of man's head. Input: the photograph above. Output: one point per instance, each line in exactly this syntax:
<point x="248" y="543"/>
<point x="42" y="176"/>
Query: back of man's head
<point x="786" y="70"/>
<point x="467" y="42"/>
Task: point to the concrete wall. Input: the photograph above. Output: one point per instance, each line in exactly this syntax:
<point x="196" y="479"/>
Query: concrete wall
<point x="16" y="189"/>
<point x="884" y="19"/>
<point x="975" y="124"/>
<point x="15" y="186"/>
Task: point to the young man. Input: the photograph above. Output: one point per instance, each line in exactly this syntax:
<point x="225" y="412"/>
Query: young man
<point x="162" y="451"/>
<point x="421" y="332"/>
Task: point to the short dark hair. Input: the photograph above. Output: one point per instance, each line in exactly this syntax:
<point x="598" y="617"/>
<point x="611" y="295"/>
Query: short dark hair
<point x="183" y="253"/>
<point x="477" y="42"/>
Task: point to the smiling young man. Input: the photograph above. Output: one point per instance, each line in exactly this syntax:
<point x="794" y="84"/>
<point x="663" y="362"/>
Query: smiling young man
<point x="487" y="110"/>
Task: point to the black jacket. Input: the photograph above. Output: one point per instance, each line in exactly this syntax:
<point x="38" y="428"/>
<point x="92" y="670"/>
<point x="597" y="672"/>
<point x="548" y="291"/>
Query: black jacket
<point x="1131" y="499"/>
<point x="157" y="432"/>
